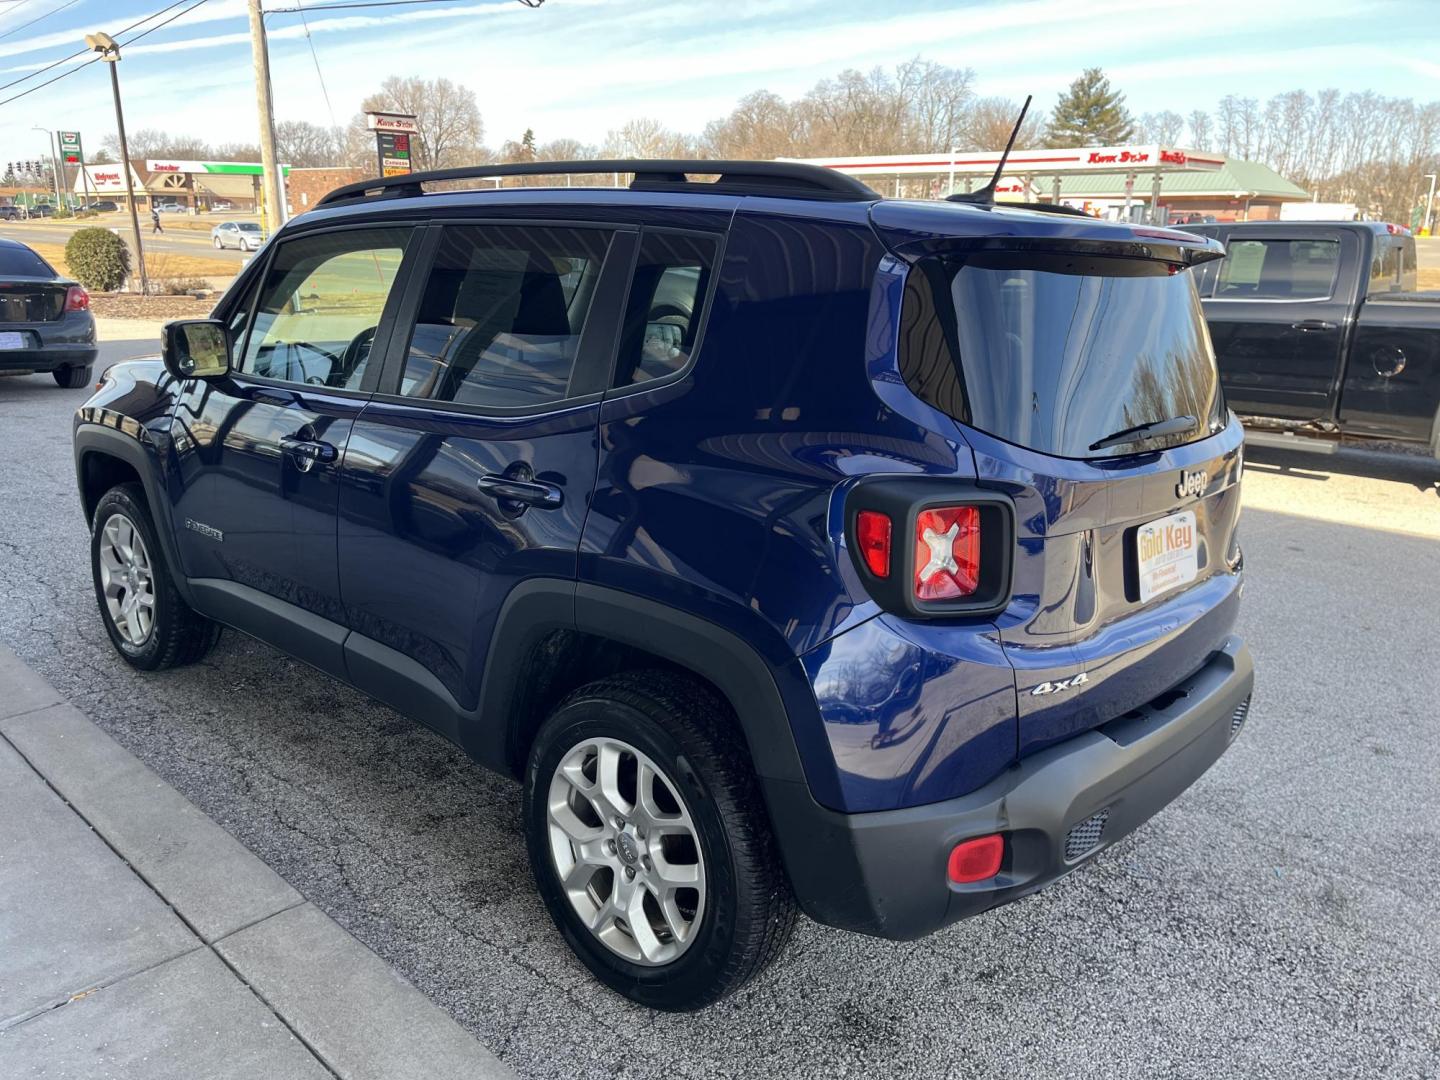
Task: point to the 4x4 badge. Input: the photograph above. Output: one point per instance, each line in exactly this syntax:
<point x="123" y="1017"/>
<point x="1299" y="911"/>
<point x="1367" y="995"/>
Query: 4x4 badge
<point x="1060" y="684"/>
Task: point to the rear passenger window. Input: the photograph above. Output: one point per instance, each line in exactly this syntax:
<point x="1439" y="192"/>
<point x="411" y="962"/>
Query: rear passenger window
<point x="500" y="320"/>
<point x="1279" y="270"/>
<point x="666" y="307"/>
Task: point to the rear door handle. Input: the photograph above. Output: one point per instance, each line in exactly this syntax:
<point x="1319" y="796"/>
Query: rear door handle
<point x="1307" y="326"/>
<point x="527" y="492"/>
<point x="308" y="452"/>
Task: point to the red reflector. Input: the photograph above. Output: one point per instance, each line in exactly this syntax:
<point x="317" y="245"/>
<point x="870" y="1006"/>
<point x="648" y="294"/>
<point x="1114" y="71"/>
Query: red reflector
<point x="977" y="860"/>
<point x="947" y="552"/>
<point x="76" y="299"/>
<point x="872" y="529"/>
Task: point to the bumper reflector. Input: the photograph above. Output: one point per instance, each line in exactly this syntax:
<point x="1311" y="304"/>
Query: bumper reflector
<point x="977" y="860"/>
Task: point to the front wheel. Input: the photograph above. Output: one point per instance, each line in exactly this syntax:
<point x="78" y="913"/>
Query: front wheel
<point x="147" y="619"/>
<point x="649" y="841"/>
<point x="216" y="241"/>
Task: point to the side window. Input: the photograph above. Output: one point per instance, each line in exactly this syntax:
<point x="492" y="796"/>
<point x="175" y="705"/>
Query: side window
<point x="1385" y="268"/>
<point x="500" y="320"/>
<point x="320" y="305"/>
<point x="664" y="315"/>
<point x="1279" y="270"/>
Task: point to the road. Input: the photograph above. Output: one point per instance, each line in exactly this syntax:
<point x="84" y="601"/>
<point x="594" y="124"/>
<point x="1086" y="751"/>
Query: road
<point x="173" y="241"/>
<point x="1279" y="920"/>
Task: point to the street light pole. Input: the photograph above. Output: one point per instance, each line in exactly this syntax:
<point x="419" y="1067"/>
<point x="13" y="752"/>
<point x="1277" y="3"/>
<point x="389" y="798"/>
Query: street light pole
<point x="1430" y="204"/>
<point x="54" y="161"/>
<point x="109" y="51"/>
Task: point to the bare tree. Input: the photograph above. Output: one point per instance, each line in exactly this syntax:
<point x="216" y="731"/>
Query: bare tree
<point x="1164" y="128"/>
<point x="990" y="121"/>
<point x="646" y="138"/>
<point x="1200" y="129"/>
<point x="306" y="145"/>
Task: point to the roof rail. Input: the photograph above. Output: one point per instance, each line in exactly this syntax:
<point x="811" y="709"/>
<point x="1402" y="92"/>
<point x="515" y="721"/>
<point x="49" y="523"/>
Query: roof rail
<point x="782" y="178"/>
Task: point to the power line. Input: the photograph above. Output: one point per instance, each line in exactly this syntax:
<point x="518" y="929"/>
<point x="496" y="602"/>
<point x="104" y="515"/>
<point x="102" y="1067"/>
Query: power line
<point x="32" y="22"/>
<point x="318" y="73"/>
<point x="87" y="63"/>
<point x="373" y="4"/>
<point x="82" y="52"/>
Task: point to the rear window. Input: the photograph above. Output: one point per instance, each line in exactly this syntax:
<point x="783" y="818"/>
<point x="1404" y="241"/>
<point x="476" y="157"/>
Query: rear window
<point x="22" y="262"/>
<point x="1056" y="353"/>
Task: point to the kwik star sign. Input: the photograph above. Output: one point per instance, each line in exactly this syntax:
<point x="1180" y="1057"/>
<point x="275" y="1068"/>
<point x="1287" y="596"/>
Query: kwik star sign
<point x="393" y="132"/>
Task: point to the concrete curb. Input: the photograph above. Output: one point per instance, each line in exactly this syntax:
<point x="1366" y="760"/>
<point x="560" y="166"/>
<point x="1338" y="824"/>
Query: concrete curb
<point x="351" y="1011"/>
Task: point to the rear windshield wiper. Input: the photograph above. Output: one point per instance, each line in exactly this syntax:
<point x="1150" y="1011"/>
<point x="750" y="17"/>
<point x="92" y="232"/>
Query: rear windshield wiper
<point x="1176" y="425"/>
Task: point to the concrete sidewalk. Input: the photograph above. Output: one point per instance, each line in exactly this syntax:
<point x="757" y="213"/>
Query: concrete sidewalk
<point x="139" y="939"/>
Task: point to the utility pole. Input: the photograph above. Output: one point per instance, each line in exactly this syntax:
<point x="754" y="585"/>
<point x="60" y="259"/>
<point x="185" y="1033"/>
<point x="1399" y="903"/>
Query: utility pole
<point x="109" y="51"/>
<point x="1430" y="205"/>
<point x="272" y="190"/>
<point x="54" y="165"/>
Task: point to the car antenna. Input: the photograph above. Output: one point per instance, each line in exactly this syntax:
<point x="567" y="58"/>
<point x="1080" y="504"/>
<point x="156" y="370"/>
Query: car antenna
<point x="986" y="195"/>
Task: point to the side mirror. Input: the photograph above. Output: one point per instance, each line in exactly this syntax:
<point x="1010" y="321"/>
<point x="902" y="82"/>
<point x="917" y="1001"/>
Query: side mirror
<point x="196" y="348"/>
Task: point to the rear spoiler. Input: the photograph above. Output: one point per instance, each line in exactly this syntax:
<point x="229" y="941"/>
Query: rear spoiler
<point x="913" y="230"/>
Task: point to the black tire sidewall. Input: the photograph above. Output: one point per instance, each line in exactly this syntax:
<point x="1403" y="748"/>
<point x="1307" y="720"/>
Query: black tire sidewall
<point x="687" y="982"/>
<point x="148" y="655"/>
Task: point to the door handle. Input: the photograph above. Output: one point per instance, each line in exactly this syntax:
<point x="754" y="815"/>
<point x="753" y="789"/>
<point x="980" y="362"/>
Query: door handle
<point x="308" y="452"/>
<point x="508" y="489"/>
<point x="1310" y="326"/>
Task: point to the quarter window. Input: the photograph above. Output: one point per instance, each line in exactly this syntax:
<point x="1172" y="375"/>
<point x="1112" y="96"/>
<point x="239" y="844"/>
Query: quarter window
<point x="320" y="306"/>
<point x="501" y="317"/>
<point x="664" y="313"/>
<point x="1279" y="270"/>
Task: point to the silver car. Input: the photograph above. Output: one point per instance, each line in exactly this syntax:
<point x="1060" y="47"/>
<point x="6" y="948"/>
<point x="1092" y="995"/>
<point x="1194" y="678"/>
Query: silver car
<point x="244" y="235"/>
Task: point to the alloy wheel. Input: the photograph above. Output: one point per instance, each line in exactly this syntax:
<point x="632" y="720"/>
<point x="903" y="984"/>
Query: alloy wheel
<point x="127" y="579"/>
<point x="626" y="851"/>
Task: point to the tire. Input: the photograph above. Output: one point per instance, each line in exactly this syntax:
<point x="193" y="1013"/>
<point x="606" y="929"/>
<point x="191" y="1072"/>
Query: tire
<point x="173" y="634"/>
<point x="739" y="918"/>
<point x="73" y="377"/>
<point x="216" y="241"/>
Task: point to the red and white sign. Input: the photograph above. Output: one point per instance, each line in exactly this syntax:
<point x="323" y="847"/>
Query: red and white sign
<point x="391" y="122"/>
<point x="1028" y="162"/>
<point x="107" y="179"/>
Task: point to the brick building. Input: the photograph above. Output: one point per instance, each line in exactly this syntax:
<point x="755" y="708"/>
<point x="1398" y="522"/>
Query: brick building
<point x="306" y="187"/>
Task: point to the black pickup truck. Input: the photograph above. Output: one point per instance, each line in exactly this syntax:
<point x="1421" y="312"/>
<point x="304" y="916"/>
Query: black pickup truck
<point x="1319" y="331"/>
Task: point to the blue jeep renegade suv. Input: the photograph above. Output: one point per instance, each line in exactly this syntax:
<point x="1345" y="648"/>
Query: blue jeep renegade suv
<point x="800" y="550"/>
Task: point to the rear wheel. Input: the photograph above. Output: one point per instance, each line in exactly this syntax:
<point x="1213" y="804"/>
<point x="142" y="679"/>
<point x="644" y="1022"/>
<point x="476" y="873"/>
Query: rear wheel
<point x="148" y="621"/>
<point x="649" y="841"/>
<point x="216" y="241"/>
<point x="73" y="376"/>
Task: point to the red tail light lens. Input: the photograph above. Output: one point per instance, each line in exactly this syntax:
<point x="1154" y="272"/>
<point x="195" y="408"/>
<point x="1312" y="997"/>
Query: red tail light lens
<point x="947" y="552"/>
<point x="872" y="530"/>
<point x="977" y="860"/>
<point x="76" y="299"/>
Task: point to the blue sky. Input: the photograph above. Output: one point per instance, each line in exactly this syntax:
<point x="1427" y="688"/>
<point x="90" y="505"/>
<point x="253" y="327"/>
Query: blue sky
<point x="581" y="67"/>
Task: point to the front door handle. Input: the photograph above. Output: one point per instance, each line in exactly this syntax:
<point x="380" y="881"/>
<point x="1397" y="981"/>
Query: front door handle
<point x="509" y="489"/>
<point x="1310" y="326"/>
<point x="308" y="452"/>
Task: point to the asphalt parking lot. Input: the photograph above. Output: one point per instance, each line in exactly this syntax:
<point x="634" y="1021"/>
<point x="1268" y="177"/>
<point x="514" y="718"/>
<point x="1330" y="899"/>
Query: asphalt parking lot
<point x="1279" y="920"/>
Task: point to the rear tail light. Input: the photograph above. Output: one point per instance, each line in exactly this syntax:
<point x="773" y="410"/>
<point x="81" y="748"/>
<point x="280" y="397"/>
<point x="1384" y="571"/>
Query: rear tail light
<point x="76" y="299"/>
<point x="931" y="547"/>
<point x="947" y="552"/>
<point x="976" y="860"/>
<point x="872" y="529"/>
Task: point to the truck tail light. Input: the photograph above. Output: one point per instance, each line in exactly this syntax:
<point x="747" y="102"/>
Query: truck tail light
<point x="872" y="529"/>
<point x="976" y="860"/>
<point x="76" y="299"/>
<point x="947" y="552"/>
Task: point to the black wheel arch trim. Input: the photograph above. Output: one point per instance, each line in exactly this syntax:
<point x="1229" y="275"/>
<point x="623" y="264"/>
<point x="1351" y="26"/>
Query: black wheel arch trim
<point x="93" y="439"/>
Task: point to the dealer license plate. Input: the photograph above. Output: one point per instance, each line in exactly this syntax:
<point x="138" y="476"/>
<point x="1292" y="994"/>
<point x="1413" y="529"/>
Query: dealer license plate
<point x="1167" y="554"/>
<point x="12" y="341"/>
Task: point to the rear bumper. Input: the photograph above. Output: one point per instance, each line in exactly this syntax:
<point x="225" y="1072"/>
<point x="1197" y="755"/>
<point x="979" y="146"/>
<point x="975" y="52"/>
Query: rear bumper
<point x="46" y="359"/>
<point x="68" y="341"/>
<point x="885" y="873"/>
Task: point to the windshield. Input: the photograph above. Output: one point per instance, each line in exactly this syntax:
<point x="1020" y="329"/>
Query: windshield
<point x="1058" y="352"/>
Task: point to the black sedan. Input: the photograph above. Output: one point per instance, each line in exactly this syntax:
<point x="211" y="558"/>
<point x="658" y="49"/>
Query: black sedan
<point x="45" y="320"/>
